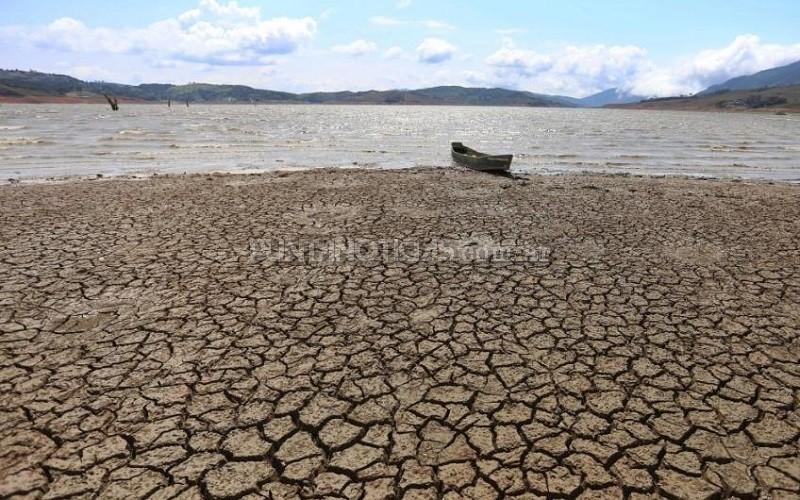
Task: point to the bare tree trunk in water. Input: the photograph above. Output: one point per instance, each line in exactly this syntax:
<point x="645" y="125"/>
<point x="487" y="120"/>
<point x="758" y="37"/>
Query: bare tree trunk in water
<point x="112" y="102"/>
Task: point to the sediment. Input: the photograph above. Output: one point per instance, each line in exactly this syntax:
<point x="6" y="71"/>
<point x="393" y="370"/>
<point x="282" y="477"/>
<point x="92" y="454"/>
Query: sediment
<point x="152" y="344"/>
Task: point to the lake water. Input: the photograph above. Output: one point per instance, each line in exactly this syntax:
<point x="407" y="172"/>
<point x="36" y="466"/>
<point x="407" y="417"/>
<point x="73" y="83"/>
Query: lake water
<point x="63" y="140"/>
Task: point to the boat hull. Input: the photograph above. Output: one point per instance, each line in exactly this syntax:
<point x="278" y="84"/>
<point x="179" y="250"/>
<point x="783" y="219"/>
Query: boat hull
<point x="476" y="160"/>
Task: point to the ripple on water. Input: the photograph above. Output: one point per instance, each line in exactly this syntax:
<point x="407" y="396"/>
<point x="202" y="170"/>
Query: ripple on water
<point x="22" y="141"/>
<point x="225" y="137"/>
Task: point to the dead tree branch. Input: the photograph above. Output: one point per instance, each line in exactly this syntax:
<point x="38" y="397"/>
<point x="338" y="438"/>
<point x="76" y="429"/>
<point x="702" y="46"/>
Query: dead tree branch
<point x="112" y="101"/>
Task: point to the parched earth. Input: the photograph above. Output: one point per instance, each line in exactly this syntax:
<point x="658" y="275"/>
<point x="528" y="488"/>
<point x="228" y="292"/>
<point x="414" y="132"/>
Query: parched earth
<point x="153" y="345"/>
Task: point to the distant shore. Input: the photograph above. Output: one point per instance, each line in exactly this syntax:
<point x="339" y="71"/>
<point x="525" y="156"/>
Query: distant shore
<point x="247" y="175"/>
<point x="680" y="105"/>
<point x="101" y="100"/>
<point x="693" y="107"/>
<point x="769" y="100"/>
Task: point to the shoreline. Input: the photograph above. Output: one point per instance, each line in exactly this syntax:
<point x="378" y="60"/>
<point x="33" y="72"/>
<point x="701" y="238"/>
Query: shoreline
<point x="37" y="100"/>
<point x="281" y="172"/>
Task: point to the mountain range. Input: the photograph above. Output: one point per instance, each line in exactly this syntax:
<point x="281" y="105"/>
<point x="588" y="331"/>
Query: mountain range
<point x="33" y="86"/>
<point x="773" y="99"/>
<point x="776" y="89"/>
<point x="782" y="76"/>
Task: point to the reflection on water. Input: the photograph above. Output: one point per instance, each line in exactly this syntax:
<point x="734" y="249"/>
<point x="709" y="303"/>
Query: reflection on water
<point x="58" y="140"/>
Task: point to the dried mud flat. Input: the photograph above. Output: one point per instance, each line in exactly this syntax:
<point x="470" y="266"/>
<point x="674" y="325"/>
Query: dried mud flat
<point x="147" y="351"/>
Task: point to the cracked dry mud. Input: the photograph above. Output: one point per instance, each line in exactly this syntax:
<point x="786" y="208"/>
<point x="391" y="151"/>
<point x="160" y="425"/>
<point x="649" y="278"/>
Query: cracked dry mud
<point x="145" y="353"/>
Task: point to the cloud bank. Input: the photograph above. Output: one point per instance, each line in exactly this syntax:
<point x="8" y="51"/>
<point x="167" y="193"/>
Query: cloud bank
<point x="583" y="70"/>
<point x="213" y="33"/>
<point x="747" y="54"/>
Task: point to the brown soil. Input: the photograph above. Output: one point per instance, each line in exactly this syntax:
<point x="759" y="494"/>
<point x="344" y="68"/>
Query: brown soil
<point x="150" y="346"/>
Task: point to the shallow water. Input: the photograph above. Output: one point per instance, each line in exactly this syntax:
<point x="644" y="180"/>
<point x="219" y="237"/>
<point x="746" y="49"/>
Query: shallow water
<point x="49" y="140"/>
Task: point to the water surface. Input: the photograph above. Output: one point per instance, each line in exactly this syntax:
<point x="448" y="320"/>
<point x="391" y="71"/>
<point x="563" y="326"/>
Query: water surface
<point x="50" y="140"/>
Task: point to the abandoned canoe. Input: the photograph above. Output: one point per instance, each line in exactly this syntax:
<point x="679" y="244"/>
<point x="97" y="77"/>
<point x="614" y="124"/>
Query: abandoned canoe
<point x="480" y="161"/>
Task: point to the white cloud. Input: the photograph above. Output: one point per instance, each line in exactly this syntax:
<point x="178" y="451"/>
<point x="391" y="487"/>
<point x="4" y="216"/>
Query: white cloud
<point x="229" y="13"/>
<point x="70" y="34"/>
<point x="403" y="4"/>
<point x="207" y="42"/>
<point x="90" y="73"/>
<point x="476" y="78"/>
<point x="583" y="70"/>
<point x="425" y="23"/>
<point x="356" y="48"/>
<point x="213" y="33"/>
<point x="435" y="51"/>
<point x="394" y="53"/>
<point x="745" y="55"/>
<point x="525" y="63"/>
<point x="579" y="70"/>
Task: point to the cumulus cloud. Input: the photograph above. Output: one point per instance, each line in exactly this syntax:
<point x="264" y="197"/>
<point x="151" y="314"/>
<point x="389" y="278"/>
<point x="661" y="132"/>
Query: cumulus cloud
<point x="582" y="70"/>
<point x="212" y="33"/>
<point x="230" y="13"/>
<point x="571" y="69"/>
<point x="521" y="62"/>
<point x="745" y="55"/>
<point x="218" y="34"/>
<point x="356" y="48"/>
<point x="435" y="51"/>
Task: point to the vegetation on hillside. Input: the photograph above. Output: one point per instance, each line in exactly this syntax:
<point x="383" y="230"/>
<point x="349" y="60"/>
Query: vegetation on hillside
<point x="771" y="99"/>
<point x="782" y="76"/>
<point x="33" y="84"/>
<point x="770" y="95"/>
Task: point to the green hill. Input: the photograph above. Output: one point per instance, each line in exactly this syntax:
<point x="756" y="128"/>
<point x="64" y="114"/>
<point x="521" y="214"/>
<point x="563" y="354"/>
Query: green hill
<point x="773" y="99"/>
<point x="26" y="84"/>
<point x="782" y="76"/>
<point x="450" y="95"/>
<point x="33" y="82"/>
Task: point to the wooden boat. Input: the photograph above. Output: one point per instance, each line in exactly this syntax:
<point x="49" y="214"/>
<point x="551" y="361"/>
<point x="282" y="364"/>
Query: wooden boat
<point x="480" y="161"/>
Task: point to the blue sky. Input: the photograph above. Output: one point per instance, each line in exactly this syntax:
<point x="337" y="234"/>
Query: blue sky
<point x="569" y="47"/>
